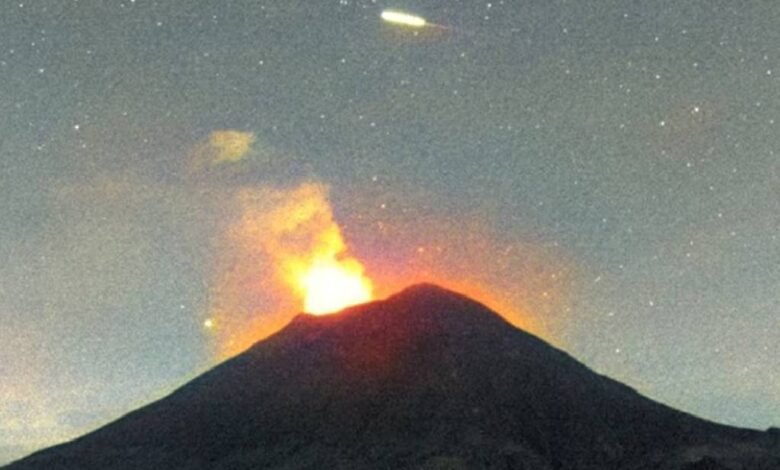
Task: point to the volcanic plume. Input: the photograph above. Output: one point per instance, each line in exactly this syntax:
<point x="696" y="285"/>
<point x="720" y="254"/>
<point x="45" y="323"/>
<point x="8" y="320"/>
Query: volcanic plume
<point x="425" y="379"/>
<point x="284" y="245"/>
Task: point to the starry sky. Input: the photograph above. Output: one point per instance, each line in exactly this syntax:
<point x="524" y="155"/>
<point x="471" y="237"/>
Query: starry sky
<point x="606" y="173"/>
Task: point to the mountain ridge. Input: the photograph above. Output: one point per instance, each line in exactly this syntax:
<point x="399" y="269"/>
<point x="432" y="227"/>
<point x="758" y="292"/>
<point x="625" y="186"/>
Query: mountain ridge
<point x="427" y="378"/>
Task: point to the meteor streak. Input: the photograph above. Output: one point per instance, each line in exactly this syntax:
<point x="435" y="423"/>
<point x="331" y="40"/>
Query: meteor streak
<point x="403" y="19"/>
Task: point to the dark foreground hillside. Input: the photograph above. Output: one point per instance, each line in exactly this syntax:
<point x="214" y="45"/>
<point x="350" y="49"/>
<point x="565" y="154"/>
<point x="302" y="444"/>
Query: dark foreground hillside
<point x="426" y="379"/>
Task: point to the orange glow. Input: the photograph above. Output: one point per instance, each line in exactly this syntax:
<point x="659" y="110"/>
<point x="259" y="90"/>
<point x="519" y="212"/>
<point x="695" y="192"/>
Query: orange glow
<point x="331" y="285"/>
<point x="283" y="253"/>
<point x="525" y="279"/>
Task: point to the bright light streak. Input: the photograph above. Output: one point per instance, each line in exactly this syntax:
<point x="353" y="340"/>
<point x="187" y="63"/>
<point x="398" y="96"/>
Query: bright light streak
<point x="403" y="19"/>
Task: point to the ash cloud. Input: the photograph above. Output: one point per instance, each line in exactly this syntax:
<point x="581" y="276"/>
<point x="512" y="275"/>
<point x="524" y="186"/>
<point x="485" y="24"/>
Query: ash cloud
<point x="277" y="233"/>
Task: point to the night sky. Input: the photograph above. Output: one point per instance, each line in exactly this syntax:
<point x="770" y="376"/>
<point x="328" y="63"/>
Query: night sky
<point x="606" y="173"/>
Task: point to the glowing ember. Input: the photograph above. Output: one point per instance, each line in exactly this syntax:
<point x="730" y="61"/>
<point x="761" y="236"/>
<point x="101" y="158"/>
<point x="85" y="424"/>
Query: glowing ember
<point x="332" y="285"/>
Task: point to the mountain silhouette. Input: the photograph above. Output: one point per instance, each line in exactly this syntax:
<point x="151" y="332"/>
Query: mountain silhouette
<point x="426" y="379"/>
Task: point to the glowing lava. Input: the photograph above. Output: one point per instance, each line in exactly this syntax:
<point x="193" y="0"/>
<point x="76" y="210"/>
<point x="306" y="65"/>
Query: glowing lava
<point x="332" y="285"/>
<point x="284" y="252"/>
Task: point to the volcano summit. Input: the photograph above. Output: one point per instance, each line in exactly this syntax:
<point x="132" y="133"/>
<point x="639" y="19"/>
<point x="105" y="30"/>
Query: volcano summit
<point x="425" y="379"/>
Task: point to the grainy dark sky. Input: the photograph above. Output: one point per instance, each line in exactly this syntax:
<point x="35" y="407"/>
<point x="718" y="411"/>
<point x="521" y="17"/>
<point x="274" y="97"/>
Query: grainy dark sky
<point x="609" y="169"/>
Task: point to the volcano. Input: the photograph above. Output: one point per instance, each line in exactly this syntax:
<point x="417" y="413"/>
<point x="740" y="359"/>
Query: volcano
<point x="426" y="379"/>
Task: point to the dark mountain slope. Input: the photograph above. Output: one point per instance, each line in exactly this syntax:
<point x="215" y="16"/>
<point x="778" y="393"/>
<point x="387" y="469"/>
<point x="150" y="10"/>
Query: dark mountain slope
<point x="425" y="379"/>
